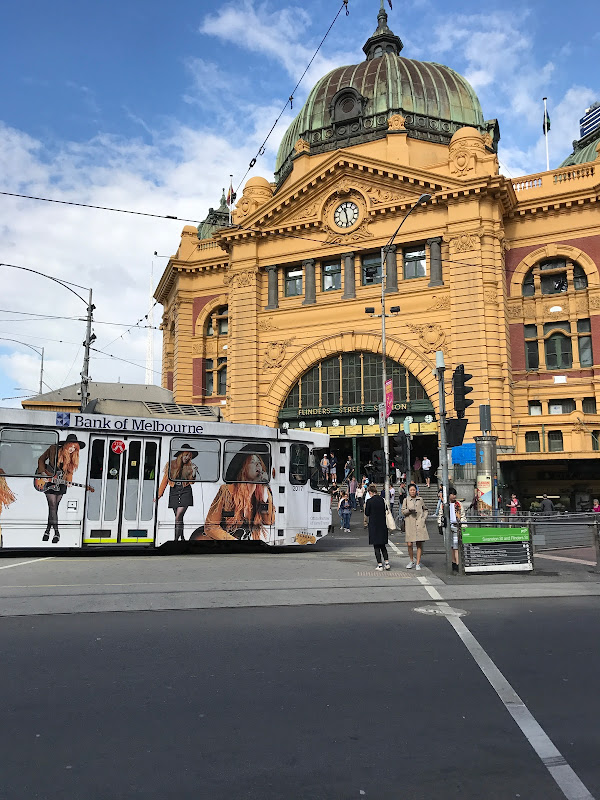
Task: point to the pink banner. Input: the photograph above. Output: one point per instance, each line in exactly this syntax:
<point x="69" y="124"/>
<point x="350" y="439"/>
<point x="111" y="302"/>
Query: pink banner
<point x="389" y="397"/>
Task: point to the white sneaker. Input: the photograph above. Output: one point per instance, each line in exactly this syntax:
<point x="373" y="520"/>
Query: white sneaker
<point x="417" y="566"/>
<point x="387" y="565"/>
<point x="410" y="565"/>
<point x="379" y="568"/>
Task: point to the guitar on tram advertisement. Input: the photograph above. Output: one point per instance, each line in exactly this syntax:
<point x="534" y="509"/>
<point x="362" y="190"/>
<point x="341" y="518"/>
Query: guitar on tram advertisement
<point x="109" y="480"/>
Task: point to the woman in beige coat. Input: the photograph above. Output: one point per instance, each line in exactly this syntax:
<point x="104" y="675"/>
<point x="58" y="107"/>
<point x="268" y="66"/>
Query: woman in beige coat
<point x="415" y="514"/>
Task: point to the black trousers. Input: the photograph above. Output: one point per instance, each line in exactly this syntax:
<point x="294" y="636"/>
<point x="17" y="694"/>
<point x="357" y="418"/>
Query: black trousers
<point x="380" y="550"/>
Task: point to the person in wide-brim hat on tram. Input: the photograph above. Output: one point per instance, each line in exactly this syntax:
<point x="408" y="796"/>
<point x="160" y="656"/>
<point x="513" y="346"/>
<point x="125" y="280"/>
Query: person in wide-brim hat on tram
<point x="243" y="507"/>
<point x="58" y="461"/>
<point x="180" y="473"/>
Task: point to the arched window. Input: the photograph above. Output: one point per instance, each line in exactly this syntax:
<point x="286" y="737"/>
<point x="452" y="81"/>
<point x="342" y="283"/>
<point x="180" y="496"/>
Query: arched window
<point x="529" y="284"/>
<point x="559" y="353"/>
<point x="555" y="275"/>
<point x="218" y="322"/>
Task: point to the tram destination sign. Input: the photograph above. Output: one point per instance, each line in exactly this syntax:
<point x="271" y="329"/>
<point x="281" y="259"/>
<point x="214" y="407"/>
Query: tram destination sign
<point x="496" y="549"/>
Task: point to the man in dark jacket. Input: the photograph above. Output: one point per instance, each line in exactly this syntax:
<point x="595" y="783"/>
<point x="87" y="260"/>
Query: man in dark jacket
<point x="546" y="506"/>
<point x="378" y="532"/>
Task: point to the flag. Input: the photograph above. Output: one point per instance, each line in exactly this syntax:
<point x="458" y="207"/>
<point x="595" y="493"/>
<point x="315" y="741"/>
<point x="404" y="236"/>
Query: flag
<point x="546" y="126"/>
<point x="231" y="195"/>
<point x="390" y="2"/>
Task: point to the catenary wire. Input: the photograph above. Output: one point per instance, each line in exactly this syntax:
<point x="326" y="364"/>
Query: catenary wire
<point x="118" y="358"/>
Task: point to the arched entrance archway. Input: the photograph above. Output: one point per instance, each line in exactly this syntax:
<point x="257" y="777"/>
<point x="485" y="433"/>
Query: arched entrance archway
<point x="340" y="394"/>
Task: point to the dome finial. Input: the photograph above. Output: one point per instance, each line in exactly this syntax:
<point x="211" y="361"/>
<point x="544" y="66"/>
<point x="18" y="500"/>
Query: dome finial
<point x="383" y="40"/>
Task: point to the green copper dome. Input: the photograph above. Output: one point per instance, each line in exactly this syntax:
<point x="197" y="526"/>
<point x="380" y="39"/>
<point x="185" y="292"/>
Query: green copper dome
<point x="352" y="104"/>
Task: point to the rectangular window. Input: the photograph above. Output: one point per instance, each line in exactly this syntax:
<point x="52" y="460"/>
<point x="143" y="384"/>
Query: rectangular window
<point x="595" y="440"/>
<point x="331" y="273"/>
<point x="561" y="406"/>
<point x="194" y="460"/>
<point x="293" y="281"/>
<point x="530" y="331"/>
<point x="187" y="455"/>
<point x="371" y="269"/>
<point x="535" y="408"/>
<point x="330" y="382"/>
<point x="310" y="388"/>
<point x="247" y="462"/>
<point x="415" y="389"/>
<point x="222" y="376"/>
<point x="589" y="405"/>
<point x="586" y="358"/>
<point x="372" y="378"/>
<point x="209" y="382"/>
<point x="351" y="379"/>
<point x="414" y="263"/>
<point x="298" y="464"/>
<point x="555" y="441"/>
<point x="532" y="442"/>
<point x="20" y="451"/>
<point x="553" y="263"/>
<point x="554" y="284"/>
<point x="532" y="356"/>
<point x="558" y="352"/>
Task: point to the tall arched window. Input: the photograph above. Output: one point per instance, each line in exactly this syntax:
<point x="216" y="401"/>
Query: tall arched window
<point x="218" y="322"/>
<point x="559" y="353"/>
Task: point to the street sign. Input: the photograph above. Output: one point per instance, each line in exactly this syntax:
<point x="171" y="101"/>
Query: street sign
<point x="389" y="397"/>
<point x="496" y="549"/>
<point x="382" y="415"/>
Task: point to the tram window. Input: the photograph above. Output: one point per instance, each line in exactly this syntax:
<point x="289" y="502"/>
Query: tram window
<point x="298" y="464"/>
<point x="203" y="464"/>
<point x="96" y="471"/>
<point x="147" y="509"/>
<point x="134" y="452"/>
<point x="113" y="472"/>
<point x="21" y="449"/>
<point x="247" y="462"/>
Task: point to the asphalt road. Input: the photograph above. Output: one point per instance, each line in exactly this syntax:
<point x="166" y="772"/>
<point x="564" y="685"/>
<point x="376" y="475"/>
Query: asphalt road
<point x="317" y="702"/>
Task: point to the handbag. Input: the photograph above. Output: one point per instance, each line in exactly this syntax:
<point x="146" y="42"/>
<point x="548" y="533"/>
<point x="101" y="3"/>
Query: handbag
<point x="389" y="519"/>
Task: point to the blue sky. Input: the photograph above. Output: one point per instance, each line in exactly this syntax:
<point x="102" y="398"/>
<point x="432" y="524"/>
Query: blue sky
<point x="149" y="106"/>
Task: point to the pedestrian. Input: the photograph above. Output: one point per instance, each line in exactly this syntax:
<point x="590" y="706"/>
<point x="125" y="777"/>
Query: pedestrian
<point x="352" y="487"/>
<point x="596" y="506"/>
<point x="344" y="510"/>
<point x="360" y="497"/>
<point x="455" y="510"/>
<point x="332" y="468"/>
<point x="514" y="505"/>
<point x="392" y="496"/>
<point x="378" y="532"/>
<point x="325" y="468"/>
<point x="348" y="468"/>
<point x="439" y="512"/>
<point x="426" y="464"/>
<point x="547" y="506"/>
<point x="417" y="470"/>
<point x="415" y="514"/>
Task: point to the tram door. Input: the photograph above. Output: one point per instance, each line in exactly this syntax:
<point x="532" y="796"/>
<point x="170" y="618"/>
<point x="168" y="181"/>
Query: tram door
<point x="124" y="475"/>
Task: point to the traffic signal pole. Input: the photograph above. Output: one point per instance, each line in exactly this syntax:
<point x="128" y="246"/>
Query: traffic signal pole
<point x="440" y="368"/>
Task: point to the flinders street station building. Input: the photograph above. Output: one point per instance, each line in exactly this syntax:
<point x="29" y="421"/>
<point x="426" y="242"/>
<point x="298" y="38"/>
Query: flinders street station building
<point x="266" y="317"/>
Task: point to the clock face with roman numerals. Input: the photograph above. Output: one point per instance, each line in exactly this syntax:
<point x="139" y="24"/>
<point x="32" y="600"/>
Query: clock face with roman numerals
<point x="346" y="215"/>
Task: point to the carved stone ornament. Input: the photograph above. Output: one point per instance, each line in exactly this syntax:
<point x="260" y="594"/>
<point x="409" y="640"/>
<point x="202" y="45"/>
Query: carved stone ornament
<point x="461" y="162"/>
<point x="302" y="146"/>
<point x="513" y="310"/>
<point x="238" y="280"/>
<point x="197" y="348"/>
<point x="275" y="353"/>
<point x="595" y="302"/>
<point x="357" y="235"/>
<point x="378" y="196"/>
<point x="168" y="362"/>
<point x="397" y="122"/>
<point x="582" y="305"/>
<point x="491" y="297"/>
<point x="440" y="303"/>
<point x="306" y="213"/>
<point x="579" y="426"/>
<point x="266" y="324"/>
<point x="562" y="304"/>
<point x="465" y="242"/>
<point x="431" y="337"/>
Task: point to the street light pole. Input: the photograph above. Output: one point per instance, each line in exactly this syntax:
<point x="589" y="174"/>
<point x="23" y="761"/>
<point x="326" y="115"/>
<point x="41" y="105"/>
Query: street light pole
<point x="384" y="254"/>
<point x="440" y="367"/>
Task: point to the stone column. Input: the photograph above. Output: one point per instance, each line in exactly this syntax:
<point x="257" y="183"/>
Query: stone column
<point x="349" y="288"/>
<point x="391" y="268"/>
<point x="272" y="273"/>
<point x="435" y="261"/>
<point x="310" y="286"/>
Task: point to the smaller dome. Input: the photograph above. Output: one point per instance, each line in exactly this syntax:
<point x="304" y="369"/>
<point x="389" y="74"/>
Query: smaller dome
<point x="259" y="182"/>
<point x="465" y="133"/>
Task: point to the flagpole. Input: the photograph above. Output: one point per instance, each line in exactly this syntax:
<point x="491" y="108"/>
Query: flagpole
<point x="230" y="197"/>
<point x="546" y="134"/>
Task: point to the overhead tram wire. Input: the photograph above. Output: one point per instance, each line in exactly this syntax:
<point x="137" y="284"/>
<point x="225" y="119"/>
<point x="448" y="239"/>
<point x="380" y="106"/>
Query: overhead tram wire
<point x="118" y="358"/>
<point x="290" y="100"/>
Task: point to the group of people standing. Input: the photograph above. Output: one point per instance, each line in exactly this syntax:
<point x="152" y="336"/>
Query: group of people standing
<point x="328" y="465"/>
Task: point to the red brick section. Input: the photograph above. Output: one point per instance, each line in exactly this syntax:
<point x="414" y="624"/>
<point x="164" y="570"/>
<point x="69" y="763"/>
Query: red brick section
<point x="541" y="375"/>
<point x="589" y="245"/>
<point x="199" y="303"/>
<point x="517" y="346"/>
<point x="170" y="380"/>
<point x="198" y="374"/>
<point x="595" y="323"/>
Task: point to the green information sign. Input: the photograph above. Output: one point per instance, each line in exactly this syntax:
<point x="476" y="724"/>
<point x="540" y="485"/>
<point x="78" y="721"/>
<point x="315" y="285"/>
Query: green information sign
<point x="489" y="535"/>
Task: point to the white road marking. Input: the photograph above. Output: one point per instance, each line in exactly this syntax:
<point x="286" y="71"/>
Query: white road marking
<point x="395" y="549"/>
<point x="566" y="559"/>
<point x="556" y="764"/>
<point x="24" y="563"/>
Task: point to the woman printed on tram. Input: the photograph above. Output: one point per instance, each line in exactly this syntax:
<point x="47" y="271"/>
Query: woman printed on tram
<point x="65" y="455"/>
<point x="179" y="474"/>
<point x="243" y="507"/>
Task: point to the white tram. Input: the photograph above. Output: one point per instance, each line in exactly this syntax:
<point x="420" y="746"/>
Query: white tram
<point x="71" y="480"/>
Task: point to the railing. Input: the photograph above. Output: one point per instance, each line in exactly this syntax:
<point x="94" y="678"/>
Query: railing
<point x="574" y="173"/>
<point x="563" y="175"/>
<point x="529" y="183"/>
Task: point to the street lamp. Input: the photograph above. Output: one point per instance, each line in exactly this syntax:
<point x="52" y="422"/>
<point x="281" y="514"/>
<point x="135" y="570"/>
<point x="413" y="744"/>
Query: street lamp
<point x="39" y="351"/>
<point x="395" y="310"/>
<point x="89" y="336"/>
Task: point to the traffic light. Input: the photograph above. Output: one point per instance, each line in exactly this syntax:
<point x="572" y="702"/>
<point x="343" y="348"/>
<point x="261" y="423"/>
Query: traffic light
<point x="461" y="390"/>
<point x="401" y="451"/>
<point x="378" y="465"/>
